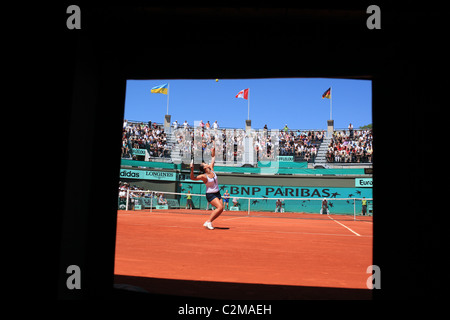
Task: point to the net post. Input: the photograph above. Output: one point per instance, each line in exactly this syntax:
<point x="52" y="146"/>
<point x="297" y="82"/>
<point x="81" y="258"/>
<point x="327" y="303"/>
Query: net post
<point x="248" y="213"/>
<point x="354" y="209"/>
<point x="128" y="197"/>
<point x="151" y="201"/>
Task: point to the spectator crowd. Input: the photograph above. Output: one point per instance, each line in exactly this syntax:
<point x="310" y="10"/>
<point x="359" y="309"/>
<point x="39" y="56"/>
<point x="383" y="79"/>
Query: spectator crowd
<point x="150" y="136"/>
<point x="350" y="146"/>
<point x="300" y="144"/>
<point x="345" y="146"/>
<point x="135" y="193"/>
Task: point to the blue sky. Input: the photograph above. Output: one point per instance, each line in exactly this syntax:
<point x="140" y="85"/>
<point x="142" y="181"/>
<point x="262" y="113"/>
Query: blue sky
<point x="296" y="102"/>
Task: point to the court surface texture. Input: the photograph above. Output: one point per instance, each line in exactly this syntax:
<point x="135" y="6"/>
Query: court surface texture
<point x="244" y="257"/>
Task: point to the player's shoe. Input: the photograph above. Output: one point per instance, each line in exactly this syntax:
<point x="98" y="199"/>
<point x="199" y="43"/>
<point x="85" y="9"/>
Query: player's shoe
<point x="208" y="225"/>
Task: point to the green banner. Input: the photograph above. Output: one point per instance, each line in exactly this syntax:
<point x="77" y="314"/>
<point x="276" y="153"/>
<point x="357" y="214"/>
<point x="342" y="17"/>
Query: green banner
<point x="138" y="152"/>
<point x="285" y="158"/>
<point x="148" y="175"/>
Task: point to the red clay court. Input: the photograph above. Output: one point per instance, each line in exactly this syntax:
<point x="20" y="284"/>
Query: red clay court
<point x="282" y="254"/>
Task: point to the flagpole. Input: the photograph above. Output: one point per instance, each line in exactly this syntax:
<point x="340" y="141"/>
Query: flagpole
<point x="248" y="106"/>
<point x="331" y="103"/>
<point x="168" y="93"/>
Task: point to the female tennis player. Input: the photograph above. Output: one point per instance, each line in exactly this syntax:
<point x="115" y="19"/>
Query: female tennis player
<point x="213" y="196"/>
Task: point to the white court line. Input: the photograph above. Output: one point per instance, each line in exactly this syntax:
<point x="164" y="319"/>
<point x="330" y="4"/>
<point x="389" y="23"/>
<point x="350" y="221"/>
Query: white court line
<point x="344" y="226"/>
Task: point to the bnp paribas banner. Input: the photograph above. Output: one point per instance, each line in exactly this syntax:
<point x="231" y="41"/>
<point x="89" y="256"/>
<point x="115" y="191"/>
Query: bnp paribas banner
<point x="283" y="192"/>
<point x="341" y="200"/>
<point x="148" y="175"/>
<point x="296" y="192"/>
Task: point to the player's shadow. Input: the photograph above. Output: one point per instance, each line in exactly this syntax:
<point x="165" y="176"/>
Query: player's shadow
<point x="222" y="228"/>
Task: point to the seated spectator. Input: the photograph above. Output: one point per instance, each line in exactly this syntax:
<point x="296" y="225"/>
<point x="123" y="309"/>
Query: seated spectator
<point x="307" y="156"/>
<point x="162" y="200"/>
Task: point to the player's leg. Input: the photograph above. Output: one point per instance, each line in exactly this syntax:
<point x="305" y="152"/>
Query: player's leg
<point x="218" y="203"/>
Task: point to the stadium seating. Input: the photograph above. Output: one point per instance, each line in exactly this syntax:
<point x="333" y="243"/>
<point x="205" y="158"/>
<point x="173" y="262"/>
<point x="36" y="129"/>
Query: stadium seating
<point x="310" y="146"/>
<point x="346" y="147"/>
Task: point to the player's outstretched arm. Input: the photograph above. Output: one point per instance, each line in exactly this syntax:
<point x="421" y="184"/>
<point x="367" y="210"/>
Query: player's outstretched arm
<point x="213" y="154"/>
<point x="199" y="177"/>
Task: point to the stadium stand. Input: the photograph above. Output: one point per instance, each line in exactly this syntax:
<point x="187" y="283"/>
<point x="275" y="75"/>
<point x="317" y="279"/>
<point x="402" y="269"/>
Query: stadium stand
<point x="354" y="146"/>
<point x="149" y="141"/>
<point x="139" y="136"/>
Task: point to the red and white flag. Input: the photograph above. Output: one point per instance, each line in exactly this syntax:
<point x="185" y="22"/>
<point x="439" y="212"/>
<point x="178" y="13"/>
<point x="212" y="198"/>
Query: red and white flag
<point x="243" y="94"/>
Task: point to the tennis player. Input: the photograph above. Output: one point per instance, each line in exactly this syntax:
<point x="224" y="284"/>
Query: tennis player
<point x="209" y="178"/>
